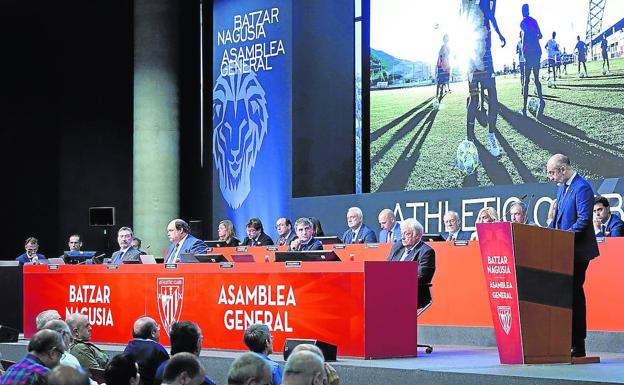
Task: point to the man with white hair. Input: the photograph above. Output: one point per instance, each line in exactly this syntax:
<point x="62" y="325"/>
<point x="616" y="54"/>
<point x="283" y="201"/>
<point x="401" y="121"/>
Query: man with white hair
<point x="412" y="248"/>
<point x="45" y="316"/>
<point x="452" y="227"/>
<point x="357" y="232"/>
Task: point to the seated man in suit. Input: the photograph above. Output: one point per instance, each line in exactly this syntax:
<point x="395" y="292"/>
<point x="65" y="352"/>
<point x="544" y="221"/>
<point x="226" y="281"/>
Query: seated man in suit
<point x="452" y="227"/>
<point x="412" y="248"/>
<point x="605" y="223"/>
<point x="178" y="232"/>
<point x="126" y="252"/>
<point x="136" y="243"/>
<point x="305" y="241"/>
<point x="390" y="228"/>
<point x="255" y="234"/>
<point x="357" y="232"/>
<point x="285" y="232"/>
<point x="31" y="256"/>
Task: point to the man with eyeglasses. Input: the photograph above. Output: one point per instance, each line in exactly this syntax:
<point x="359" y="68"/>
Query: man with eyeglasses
<point x="574" y="212"/>
<point x="44" y="353"/>
<point x="146" y="348"/>
<point x="412" y="248"/>
<point x="284" y="231"/>
<point x="452" y="227"/>
<point x="259" y="340"/>
<point x="31" y="245"/>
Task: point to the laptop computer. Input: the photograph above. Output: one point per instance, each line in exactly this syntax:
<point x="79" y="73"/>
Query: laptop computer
<point x="78" y="256"/>
<point x="311" y="255"/>
<point x="329" y="239"/>
<point x="214" y="243"/>
<point x="433" y="238"/>
<point x="147" y="259"/>
<point x="243" y="258"/>
<point x="56" y="261"/>
<point x="201" y="258"/>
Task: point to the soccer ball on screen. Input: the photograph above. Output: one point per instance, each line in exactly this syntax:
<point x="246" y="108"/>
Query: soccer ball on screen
<point x="533" y="105"/>
<point x="467" y="157"/>
<point x="435" y="104"/>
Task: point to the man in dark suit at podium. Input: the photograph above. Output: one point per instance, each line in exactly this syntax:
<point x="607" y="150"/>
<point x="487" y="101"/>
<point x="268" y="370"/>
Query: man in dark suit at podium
<point x="126" y="252"/>
<point x="605" y="223"/>
<point x="357" y="232"/>
<point x="412" y="248"/>
<point x="574" y="212"/>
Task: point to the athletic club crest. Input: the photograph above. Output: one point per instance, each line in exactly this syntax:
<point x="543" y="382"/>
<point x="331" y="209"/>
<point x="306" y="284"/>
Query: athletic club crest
<point x="504" y="316"/>
<point x="170" y="294"/>
<point x="239" y="113"/>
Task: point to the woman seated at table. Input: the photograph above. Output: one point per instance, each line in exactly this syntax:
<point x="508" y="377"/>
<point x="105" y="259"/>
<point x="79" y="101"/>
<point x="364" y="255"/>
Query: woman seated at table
<point x="486" y="215"/>
<point x="227" y="234"/>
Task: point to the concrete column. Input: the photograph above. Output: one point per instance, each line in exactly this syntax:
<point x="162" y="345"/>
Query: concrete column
<point x="156" y="125"/>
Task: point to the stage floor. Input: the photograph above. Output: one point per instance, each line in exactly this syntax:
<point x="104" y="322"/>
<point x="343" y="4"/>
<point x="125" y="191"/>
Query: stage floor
<point x="446" y="365"/>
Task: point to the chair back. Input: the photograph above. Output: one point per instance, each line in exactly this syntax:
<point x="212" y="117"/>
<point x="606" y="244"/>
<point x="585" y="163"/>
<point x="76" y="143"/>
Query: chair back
<point x="97" y="375"/>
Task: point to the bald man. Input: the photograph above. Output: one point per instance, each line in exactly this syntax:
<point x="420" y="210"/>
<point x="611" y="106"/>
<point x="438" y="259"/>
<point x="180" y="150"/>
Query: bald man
<point x="574" y="212"/>
<point x="390" y="228"/>
<point x="146" y="349"/>
<point x="304" y="368"/>
<point x="178" y="232"/>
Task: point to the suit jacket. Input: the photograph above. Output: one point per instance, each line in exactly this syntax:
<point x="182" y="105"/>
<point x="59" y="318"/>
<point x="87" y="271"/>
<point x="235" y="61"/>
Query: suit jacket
<point x="263" y="240"/>
<point x="615" y="227"/>
<point x="291" y="236"/>
<point x="190" y="245"/>
<point x="425" y="256"/>
<point x="396" y="233"/>
<point x="149" y="355"/>
<point x="364" y="235"/>
<point x="22" y="259"/>
<point x="131" y="254"/>
<point x="574" y="212"/>
<point x="311" y="244"/>
<point x="461" y="235"/>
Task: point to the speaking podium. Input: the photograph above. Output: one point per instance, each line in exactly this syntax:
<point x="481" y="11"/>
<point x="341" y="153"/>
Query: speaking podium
<point x="528" y="273"/>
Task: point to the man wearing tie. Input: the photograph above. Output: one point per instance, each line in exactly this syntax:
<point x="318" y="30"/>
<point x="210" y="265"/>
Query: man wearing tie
<point x="285" y="232"/>
<point x="412" y="248"/>
<point x="575" y="202"/>
<point x="357" y="232"/>
<point x="255" y="234"/>
<point x="305" y="240"/>
<point x="126" y="252"/>
<point x="182" y="242"/>
<point x="390" y="228"/>
<point x="605" y="223"/>
<point x="452" y="225"/>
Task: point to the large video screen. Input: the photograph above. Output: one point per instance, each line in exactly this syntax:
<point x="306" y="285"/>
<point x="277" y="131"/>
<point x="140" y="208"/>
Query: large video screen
<point x="448" y="106"/>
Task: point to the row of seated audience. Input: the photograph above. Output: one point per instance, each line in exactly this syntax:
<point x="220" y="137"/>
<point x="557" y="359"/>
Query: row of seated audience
<point x="60" y="353"/>
<point x="605" y="223"/>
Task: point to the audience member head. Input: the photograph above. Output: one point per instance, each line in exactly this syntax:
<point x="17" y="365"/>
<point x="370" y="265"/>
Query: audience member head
<point x="122" y="369"/>
<point x="386" y="219"/>
<point x="185" y="336"/>
<point x="559" y="168"/>
<point x="303" y="227"/>
<point x="258" y="339"/>
<point x="226" y="230"/>
<point x="354" y="217"/>
<point x="411" y="232"/>
<point x="249" y="369"/>
<point x="309" y="348"/>
<point x="304" y="368"/>
<point x="48" y="346"/>
<point x="61" y="328"/>
<point x="74" y="242"/>
<point x="183" y="369"/>
<point x="177" y="229"/>
<point x="45" y="316"/>
<point x="136" y="243"/>
<point x="124" y="238"/>
<point x="316" y="226"/>
<point x="66" y="375"/>
<point x="79" y="325"/>
<point x="518" y="213"/>
<point x="146" y="328"/>
<point x="602" y="209"/>
<point x="487" y="215"/>
<point x="31" y="245"/>
<point x="283" y="226"/>
<point x="254" y="228"/>
<point x="451" y="222"/>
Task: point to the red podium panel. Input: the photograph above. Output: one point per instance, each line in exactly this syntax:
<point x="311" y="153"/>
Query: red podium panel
<point x="367" y="309"/>
<point x="528" y="273"/>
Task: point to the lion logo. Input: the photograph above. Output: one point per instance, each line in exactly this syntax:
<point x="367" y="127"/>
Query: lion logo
<point x="239" y="111"/>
